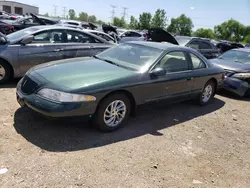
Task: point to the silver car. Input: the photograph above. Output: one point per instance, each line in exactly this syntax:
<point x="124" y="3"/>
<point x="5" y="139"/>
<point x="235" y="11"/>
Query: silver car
<point x="26" y="48"/>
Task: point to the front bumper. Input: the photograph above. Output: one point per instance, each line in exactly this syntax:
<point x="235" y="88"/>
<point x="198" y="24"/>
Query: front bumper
<point x="53" y="109"/>
<point x="237" y="86"/>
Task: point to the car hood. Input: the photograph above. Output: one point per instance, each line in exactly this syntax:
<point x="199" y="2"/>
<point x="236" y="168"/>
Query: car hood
<point x="80" y="73"/>
<point x="228" y="65"/>
<point x="161" y="35"/>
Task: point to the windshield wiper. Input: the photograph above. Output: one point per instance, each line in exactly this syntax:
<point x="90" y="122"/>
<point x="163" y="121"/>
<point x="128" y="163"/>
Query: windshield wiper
<point x="108" y="61"/>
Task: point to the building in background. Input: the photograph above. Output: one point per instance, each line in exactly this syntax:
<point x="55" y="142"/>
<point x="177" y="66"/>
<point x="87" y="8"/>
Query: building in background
<point x="13" y="7"/>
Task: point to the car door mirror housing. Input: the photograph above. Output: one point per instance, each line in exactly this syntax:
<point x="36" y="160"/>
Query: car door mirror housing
<point x="159" y="71"/>
<point x="27" y="40"/>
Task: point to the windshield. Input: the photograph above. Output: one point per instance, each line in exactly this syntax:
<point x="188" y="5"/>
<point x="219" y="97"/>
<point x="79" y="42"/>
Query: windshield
<point x="182" y="41"/>
<point x="131" y="55"/>
<point x="236" y="56"/>
<point x="19" y="34"/>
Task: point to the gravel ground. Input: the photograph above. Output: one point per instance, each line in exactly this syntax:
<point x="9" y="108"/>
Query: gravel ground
<point x="180" y="145"/>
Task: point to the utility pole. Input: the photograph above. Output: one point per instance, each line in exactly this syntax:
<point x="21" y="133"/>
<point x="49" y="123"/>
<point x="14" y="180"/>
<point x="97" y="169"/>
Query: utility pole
<point x="55" y="7"/>
<point x="124" y="13"/>
<point x="113" y="11"/>
<point x="64" y="12"/>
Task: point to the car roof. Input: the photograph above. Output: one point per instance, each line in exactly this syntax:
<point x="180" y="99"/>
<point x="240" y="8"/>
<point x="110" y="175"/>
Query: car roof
<point x="158" y="45"/>
<point x="242" y="49"/>
<point x="73" y="21"/>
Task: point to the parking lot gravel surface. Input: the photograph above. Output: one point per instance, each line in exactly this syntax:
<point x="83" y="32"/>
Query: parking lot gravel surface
<point x="177" y="145"/>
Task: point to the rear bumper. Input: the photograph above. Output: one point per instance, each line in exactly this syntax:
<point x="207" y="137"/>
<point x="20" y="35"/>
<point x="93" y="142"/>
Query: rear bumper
<point x="237" y="86"/>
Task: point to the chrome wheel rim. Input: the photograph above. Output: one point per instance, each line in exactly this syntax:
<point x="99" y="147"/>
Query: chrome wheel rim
<point x="207" y="93"/>
<point x="2" y="72"/>
<point x="114" y="113"/>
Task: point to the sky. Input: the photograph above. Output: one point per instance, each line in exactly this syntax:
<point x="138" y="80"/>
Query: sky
<point x="204" y="13"/>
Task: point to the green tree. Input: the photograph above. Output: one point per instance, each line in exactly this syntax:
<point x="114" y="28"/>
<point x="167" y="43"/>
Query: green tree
<point x="72" y="14"/>
<point x="100" y="22"/>
<point x="247" y="39"/>
<point x="205" y="33"/>
<point x="181" y="25"/>
<point x="230" y="30"/>
<point x="159" y="19"/>
<point x="92" y="19"/>
<point x="119" y="22"/>
<point x="83" y="16"/>
<point x="145" y="20"/>
<point x="133" y="23"/>
<point x="247" y="30"/>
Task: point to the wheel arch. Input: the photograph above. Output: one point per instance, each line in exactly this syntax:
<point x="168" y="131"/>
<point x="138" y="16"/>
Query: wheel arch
<point x="7" y="62"/>
<point x="215" y="82"/>
<point x="121" y="91"/>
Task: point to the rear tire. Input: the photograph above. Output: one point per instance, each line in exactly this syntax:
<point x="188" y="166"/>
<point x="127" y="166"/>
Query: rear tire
<point x="112" y="112"/>
<point x="5" y="72"/>
<point x="207" y="93"/>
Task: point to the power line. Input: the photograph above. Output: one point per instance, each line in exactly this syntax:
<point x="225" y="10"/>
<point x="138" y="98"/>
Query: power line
<point x="113" y="11"/>
<point x="124" y="13"/>
<point x="64" y="12"/>
<point x="55" y="8"/>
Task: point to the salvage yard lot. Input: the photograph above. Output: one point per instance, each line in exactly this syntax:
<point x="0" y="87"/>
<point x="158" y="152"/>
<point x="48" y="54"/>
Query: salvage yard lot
<point x="180" y="145"/>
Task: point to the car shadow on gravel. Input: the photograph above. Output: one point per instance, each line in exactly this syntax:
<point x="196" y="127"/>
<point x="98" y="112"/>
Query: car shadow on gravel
<point x="76" y="134"/>
<point x="233" y="96"/>
<point x="10" y="84"/>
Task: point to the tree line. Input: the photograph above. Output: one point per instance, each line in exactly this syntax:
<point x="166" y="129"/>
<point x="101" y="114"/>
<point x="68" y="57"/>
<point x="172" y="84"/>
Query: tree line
<point x="231" y="30"/>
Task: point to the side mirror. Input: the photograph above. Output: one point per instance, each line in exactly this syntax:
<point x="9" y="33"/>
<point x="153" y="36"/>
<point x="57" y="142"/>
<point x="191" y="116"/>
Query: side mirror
<point x="159" y="71"/>
<point x="27" y="40"/>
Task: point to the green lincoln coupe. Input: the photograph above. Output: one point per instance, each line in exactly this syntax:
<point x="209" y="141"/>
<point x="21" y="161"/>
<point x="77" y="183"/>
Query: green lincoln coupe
<point x="111" y="84"/>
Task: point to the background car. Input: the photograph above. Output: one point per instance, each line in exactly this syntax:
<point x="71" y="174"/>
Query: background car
<point x="204" y="46"/>
<point x="30" y="21"/>
<point x="6" y="28"/>
<point x="133" y="36"/>
<point x="26" y="48"/>
<point x="103" y="35"/>
<point x="71" y="22"/>
<point x="111" y="84"/>
<point x="236" y="64"/>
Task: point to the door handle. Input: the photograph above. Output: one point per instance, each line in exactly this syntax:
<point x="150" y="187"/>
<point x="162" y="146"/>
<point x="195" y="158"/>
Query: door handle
<point x="190" y="78"/>
<point x="58" y="50"/>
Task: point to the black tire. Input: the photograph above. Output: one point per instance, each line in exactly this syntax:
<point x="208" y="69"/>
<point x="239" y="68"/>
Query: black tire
<point x="247" y="93"/>
<point x="201" y="100"/>
<point x="8" y="72"/>
<point x="98" y="118"/>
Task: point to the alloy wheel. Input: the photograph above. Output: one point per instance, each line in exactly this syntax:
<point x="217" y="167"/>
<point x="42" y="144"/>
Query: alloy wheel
<point x="207" y="93"/>
<point x="2" y="72"/>
<point x="114" y="113"/>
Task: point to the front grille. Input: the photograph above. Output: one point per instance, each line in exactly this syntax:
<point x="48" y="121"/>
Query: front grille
<point x="28" y="85"/>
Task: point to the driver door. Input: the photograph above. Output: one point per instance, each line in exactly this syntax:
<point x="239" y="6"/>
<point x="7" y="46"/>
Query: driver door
<point x="46" y="46"/>
<point x="177" y="83"/>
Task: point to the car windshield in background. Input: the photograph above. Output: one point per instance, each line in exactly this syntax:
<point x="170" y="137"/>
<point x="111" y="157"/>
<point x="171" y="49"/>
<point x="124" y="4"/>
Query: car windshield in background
<point x="131" y="55"/>
<point x="236" y="56"/>
<point x="19" y="34"/>
<point x="182" y="40"/>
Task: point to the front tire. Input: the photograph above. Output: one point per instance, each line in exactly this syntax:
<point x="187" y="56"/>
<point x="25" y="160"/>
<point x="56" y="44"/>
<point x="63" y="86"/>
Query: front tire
<point x="207" y="93"/>
<point x="5" y="72"/>
<point x="112" y="112"/>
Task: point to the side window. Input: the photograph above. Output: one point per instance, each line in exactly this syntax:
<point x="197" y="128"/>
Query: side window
<point x="105" y="37"/>
<point x="197" y="62"/>
<point x="134" y="34"/>
<point x="205" y="45"/>
<point x="79" y="37"/>
<point x="174" y="62"/>
<point x="194" y="45"/>
<point x="30" y="21"/>
<point x="127" y="34"/>
<point x="51" y="37"/>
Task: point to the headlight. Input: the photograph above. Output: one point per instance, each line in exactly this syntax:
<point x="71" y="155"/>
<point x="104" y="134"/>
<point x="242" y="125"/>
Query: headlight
<point x="64" y="97"/>
<point x="241" y="75"/>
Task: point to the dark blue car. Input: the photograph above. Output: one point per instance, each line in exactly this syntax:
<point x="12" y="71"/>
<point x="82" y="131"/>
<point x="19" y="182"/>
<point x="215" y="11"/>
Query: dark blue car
<point x="236" y="64"/>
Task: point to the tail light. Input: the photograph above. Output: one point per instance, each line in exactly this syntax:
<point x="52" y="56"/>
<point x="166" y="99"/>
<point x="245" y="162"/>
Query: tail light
<point x="10" y="27"/>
